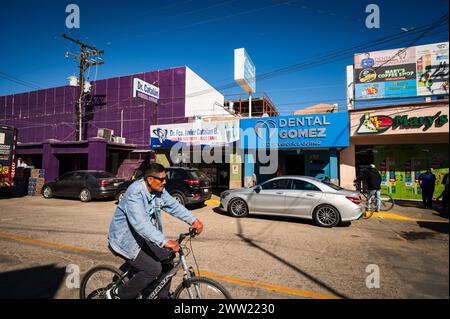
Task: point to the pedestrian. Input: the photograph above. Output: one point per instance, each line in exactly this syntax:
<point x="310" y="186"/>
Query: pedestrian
<point x="427" y="182"/>
<point x="372" y="179"/>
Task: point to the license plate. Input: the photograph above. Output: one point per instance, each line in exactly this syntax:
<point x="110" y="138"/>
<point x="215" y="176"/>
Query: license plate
<point x="116" y="184"/>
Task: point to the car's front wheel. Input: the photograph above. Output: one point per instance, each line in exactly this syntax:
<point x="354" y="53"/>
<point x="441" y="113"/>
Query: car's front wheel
<point x="238" y="208"/>
<point x="179" y="198"/>
<point x="47" y="192"/>
<point x="326" y="216"/>
<point x="119" y="195"/>
<point x="85" y="195"/>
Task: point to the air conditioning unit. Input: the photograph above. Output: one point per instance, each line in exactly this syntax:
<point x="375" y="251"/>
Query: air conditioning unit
<point x="118" y="139"/>
<point x="106" y="133"/>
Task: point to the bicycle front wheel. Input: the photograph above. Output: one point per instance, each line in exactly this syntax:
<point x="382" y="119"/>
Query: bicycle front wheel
<point x="367" y="214"/>
<point x="201" y="288"/>
<point x="387" y="202"/>
<point x="98" y="280"/>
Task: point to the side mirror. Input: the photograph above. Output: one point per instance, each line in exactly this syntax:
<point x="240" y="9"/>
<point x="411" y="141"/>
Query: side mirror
<point x="257" y="189"/>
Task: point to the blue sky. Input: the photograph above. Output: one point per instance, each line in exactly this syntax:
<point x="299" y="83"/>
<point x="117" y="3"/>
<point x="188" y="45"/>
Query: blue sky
<point x="151" y="35"/>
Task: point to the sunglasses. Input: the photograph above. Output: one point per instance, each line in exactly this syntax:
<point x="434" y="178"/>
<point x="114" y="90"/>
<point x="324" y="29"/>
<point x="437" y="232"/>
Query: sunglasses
<point x="161" y="179"/>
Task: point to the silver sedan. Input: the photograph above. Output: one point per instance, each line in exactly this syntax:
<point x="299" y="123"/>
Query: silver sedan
<point x="297" y="196"/>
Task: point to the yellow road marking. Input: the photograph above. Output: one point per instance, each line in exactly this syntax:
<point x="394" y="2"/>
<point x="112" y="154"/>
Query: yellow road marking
<point x="248" y="283"/>
<point x="212" y="202"/>
<point x="47" y="244"/>
<point x="270" y="287"/>
<point x="400" y="217"/>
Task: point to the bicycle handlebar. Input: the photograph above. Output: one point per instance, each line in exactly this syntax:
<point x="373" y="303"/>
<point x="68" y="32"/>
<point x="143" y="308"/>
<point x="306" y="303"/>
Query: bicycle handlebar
<point x="192" y="233"/>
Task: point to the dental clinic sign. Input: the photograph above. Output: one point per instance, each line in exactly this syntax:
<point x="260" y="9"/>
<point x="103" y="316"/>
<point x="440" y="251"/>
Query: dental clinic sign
<point x="145" y="90"/>
<point x="302" y="131"/>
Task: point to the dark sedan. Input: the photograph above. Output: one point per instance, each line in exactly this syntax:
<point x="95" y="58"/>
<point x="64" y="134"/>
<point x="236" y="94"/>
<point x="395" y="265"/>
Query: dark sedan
<point x="85" y="185"/>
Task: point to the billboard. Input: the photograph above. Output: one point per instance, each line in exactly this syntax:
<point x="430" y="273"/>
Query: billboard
<point x="298" y="131"/>
<point x="399" y="73"/>
<point x="197" y="133"/>
<point x="244" y="71"/>
<point x="145" y="90"/>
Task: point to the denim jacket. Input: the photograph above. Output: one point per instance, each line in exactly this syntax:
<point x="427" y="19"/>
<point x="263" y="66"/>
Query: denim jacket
<point x="137" y="219"/>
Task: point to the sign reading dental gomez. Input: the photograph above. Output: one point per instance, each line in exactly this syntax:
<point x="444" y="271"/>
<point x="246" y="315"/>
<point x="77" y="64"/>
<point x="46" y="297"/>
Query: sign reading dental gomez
<point x="145" y="90"/>
<point x="221" y="133"/>
<point x="299" y="131"/>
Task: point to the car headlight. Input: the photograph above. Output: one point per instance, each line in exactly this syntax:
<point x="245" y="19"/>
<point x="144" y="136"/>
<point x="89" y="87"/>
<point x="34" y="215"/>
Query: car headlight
<point x="225" y="194"/>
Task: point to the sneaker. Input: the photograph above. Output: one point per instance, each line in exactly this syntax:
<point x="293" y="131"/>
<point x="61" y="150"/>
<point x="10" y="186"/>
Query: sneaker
<point x="112" y="293"/>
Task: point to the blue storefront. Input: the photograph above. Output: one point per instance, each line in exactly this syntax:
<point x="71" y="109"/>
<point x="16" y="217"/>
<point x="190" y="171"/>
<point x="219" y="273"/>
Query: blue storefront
<point x="293" y="145"/>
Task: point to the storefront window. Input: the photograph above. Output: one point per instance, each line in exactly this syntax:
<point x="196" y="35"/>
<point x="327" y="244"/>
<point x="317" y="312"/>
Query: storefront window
<point x="401" y="165"/>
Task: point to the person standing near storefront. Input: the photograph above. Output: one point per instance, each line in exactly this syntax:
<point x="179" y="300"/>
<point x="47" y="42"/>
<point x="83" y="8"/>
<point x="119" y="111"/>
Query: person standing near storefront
<point x="427" y="181"/>
<point x="372" y="178"/>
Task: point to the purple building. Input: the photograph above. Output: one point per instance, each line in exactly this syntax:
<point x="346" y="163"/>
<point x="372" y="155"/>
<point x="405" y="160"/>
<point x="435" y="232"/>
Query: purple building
<point x="46" y="120"/>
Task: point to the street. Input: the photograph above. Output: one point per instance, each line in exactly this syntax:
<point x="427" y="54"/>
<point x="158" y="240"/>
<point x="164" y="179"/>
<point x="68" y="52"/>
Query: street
<point x="43" y="241"/>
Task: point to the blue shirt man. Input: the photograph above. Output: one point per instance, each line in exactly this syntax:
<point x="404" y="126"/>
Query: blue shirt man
<point x="427" y="181"/>
<point x="367" y="62"/>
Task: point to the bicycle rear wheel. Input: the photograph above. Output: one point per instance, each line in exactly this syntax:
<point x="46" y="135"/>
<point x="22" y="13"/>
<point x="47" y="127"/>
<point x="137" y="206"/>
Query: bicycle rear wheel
<point x="201" y="288"/>
<point x="387" y="202"/>
<point x="98" y="280"/>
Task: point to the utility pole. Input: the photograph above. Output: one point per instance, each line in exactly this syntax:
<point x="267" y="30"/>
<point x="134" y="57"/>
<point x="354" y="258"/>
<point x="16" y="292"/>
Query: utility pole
<point x="89" y="56"/>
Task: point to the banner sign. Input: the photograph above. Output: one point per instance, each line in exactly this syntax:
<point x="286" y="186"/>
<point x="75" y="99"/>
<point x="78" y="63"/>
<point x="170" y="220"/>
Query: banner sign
<point x="408" y="72"/>
<point x="197" y="133"/>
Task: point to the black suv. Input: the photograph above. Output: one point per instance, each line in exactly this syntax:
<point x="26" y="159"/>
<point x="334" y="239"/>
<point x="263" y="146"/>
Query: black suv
<point x="187" y="185"/>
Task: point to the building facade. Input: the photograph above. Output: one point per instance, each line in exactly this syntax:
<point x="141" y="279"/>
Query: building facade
<point x="402" y="141"/>
<point x="46" y="120"/>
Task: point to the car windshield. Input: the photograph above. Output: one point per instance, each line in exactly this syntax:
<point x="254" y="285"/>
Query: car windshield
<point x="333" y="186"/>
<point x="102" y="175"/>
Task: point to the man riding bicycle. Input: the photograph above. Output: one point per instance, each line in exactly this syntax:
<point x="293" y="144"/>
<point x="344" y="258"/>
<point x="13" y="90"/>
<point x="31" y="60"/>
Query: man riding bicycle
<point x="372" y="179"/>
<point x="136" y="232"/>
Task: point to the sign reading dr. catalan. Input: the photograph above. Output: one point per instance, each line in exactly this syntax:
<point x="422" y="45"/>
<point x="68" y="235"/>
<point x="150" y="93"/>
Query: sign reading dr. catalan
<point x="145" y="90"/>
<point x="302" y="131"/>
<point x="198" y="133"/>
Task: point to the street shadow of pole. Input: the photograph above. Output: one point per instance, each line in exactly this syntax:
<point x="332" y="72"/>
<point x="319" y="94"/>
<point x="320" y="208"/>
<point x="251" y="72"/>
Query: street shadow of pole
<point x="33" y="283"/>
<point x="285" y="262"/>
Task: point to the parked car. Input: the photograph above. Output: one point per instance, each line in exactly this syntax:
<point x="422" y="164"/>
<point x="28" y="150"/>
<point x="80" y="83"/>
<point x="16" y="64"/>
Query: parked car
<point x="187" y="185"/>
<point x="85" y="185"/>
<point x="297" y="196"/>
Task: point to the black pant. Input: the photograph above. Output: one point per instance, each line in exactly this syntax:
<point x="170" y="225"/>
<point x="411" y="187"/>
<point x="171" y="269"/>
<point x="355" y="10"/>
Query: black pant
<point x="149" y="265"/>
<point x="427" y="196"/>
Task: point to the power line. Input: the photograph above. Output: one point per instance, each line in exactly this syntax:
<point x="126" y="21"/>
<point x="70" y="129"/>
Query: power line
<point x="15" y="79"/>
<point x="220" y="18"/>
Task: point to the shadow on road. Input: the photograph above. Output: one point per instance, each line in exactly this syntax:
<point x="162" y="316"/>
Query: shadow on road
<point x="33" y="283"/>
<point x="317" y="281"/>
<point x="280" y="218"/>
<point x="436" y="227"/>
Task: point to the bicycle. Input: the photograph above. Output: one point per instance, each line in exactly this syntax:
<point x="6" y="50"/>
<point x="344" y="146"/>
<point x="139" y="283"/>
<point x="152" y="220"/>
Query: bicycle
<point x="387" y="202"/>
<point x="191" y="287"/>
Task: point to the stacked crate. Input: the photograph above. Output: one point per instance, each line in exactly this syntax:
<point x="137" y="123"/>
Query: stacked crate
<point x="36" y="182"/>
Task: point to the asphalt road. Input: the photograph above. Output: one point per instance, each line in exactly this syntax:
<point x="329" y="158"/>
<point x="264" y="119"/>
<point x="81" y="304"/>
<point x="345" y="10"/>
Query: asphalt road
<point x="254" y="257"/>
